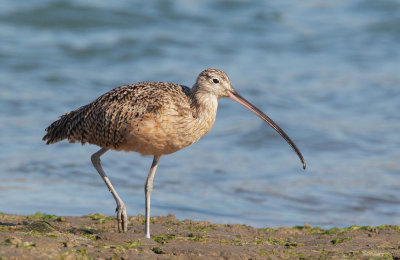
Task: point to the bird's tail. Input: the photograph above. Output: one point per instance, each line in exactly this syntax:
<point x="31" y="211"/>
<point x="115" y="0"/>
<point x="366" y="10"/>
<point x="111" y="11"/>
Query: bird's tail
<point x="70" y="126"/>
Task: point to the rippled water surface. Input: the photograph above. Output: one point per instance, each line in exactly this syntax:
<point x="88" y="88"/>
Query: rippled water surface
<point x="326" y="71"/>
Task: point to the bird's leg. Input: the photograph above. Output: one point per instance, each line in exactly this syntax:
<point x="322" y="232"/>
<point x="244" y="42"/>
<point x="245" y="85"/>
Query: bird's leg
<point x="148" y="187"/>
<point x="122" y="217"/>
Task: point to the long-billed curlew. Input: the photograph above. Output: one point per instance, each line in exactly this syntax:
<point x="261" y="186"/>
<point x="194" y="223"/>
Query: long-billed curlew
<point x="151" y="118"/>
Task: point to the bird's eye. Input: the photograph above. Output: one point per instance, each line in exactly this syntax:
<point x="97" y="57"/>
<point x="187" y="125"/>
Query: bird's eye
<point x="216" y="81"/>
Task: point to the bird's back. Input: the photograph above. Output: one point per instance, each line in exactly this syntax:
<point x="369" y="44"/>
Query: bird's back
<point x="137" y="117"/>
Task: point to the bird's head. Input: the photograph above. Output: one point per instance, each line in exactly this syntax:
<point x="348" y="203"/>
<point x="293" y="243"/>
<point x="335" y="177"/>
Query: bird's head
<point x="214" y="82"/>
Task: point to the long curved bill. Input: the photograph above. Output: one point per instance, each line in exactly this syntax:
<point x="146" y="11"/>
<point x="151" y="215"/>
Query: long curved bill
<point x="241" y="100"/>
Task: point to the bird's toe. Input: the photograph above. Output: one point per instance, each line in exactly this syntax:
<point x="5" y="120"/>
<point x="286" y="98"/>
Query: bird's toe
<point x="122" y="218"/>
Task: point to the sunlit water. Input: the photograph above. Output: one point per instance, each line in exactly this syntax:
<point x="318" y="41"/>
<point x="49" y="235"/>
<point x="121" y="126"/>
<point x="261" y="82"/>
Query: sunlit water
<point x="326" y="71"/>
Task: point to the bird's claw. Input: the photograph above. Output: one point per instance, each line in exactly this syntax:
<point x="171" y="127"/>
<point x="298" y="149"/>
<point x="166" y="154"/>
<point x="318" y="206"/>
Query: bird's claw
<point x="122" y="218"/>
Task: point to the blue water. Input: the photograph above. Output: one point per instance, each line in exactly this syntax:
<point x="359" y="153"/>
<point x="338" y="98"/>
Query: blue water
<point x="326" y="71"/>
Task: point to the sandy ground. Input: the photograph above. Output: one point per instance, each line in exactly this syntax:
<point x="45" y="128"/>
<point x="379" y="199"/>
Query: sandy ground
<point x="42" y="236"/>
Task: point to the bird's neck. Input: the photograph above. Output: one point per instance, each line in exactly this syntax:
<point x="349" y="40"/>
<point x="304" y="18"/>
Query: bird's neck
<point x="204" y="105"/>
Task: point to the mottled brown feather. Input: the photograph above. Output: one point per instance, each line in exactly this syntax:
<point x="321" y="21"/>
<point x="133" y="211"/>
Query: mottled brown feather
<point x="146" y="117"/>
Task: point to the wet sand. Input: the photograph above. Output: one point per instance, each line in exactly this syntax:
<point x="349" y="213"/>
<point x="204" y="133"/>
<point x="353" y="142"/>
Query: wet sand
<point x="42" y="236"/>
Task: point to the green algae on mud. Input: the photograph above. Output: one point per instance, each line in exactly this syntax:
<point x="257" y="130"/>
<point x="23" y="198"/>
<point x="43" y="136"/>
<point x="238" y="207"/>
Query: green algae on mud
<point x="94" y="237"/>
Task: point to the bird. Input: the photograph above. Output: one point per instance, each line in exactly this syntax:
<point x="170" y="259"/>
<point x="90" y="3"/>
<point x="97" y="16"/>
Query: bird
<point x="151" y="118"/>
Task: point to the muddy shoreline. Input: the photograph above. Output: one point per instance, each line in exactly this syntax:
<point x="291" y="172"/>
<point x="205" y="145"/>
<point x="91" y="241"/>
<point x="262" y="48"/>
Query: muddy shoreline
<point x="43" y="236"/>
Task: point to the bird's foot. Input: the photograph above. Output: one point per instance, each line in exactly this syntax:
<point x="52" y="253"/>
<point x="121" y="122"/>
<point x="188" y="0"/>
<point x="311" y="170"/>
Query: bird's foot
<point x="122" y="218"/>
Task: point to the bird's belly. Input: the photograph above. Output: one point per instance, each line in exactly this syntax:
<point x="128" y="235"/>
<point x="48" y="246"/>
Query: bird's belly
<point x="158" y="136"/>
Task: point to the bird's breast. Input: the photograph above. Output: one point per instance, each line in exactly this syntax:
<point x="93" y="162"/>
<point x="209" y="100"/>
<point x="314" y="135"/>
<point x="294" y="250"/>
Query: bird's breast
<point x="165" y="133"/>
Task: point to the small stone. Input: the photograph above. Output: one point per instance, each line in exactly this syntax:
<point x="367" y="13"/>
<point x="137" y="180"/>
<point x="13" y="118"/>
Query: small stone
<point x="13" y="241"/>
<point x="40" y="226"/>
